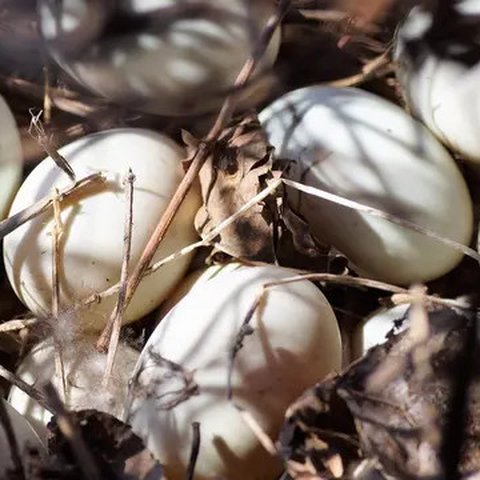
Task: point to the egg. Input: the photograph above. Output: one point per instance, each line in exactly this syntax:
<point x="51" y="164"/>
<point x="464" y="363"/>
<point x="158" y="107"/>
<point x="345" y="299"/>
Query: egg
<point x="359" y="146"/>
<point x="158" y="56"/>
<point x="91" y="249"/>
<point x="295" y="342"/>
<point x="10" y="158"/>
<point x="193" y="280"/>
<point x="25" y="436"/>
<point x="374" y="329"/>
<point x="84" y="369"/>
<point x="439" y="74"/>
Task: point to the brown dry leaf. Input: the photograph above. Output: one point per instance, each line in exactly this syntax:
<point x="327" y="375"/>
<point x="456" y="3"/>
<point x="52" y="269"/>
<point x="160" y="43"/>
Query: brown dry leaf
<point x="234" y="173"/>
<point x="318" y="437"/>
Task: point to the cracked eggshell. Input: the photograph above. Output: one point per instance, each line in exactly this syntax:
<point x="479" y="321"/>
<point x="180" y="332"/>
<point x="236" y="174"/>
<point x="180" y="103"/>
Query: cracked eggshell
<point x="84" y="369"/>
<point x="295" y="343"/>
<point x="162" y="60"/>
<point x="441" y="89"/>
<point x="361" y="147"/>
<point x="374" y="329"/>
<point x="11" y="158"/>
<point x="91" y="249"/>
<point x="25" y="436"/>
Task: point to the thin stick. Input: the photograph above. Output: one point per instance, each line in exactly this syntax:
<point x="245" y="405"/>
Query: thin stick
<point x="351" y="204"/>
<point x="56" y="233"/>
<point x="194" y="452"/>
<point x="257" y="430"/>
<point x="47" y="98"/>
<point x="111" y="332"/>
<point x="14" y="325"/>
<point x="203" y="152"/>
<point x="12" y="441"/>
<point x="11" y="223"/>
<point x="26" y="388"/>
<point x="66" y="424"/>
<point x="369" y="70"/>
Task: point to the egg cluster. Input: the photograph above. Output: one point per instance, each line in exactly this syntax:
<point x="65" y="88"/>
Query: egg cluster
<point x="204" y="362"/>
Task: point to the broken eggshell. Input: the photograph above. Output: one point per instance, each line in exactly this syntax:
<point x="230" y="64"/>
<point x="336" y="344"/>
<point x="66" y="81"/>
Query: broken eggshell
<point x="294" y="343"/>
<point x="84" y="370"/>
<point x="161" y="56"/>
<point x="354" y="144"/>
<point x="91" y="246"/>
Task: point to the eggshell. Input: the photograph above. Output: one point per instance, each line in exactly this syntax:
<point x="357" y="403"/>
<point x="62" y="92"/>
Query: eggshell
<point x="162" y="62"/>
<point x="295" y="342"/>
<point x="439" y="86"/>
<point x="84" y="370"/>
<point x="374" y="329"/>
<point x="25" y="437"/>
<point x="92" y="243"/>
<point x="10" y="158"/>
<point x="195" y="279"/>
<point x="359" y="146"/>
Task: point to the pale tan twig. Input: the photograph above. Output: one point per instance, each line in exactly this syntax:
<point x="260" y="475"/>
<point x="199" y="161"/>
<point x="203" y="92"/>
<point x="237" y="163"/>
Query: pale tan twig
<point x="47" y="98"/>
<point x="11" y="223"/>
<point x="202" y="153"/>
<point x="257" y="430"/>
<point x="17" y="324"/>
<point x="111" y="332"/>
<point x="56" y="233"/>
<point x="369" y="70"/>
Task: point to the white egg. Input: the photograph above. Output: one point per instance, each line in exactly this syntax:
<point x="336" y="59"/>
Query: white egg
<point x="93" y="225"/>
<point x="295" y="342"/>
<point x="10" y="158"/>
<point x="161" y="56"/>
<point x="193" y="280"/>
<point x="25" y="437"/>
<point x="439" y="77"/>
<point x="84" y="370"/>
<point x="361" y="147"/>
<point x="374" y="329"/>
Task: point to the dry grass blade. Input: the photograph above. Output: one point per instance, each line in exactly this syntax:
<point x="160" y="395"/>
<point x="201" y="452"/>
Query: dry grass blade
<point x="202" y="153"/>
<point x="11" y="223"/>
<point x="111" y="332"/>
<point x="25" y="387"/>
<point x="369" y="70"/>
<point x="56" y="233"/>
<point x="360" y="207"/>
<point x="15" y="325"/>
<point x="254" y="426"/>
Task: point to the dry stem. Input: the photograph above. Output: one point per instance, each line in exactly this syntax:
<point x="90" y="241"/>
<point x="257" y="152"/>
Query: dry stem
<point x="56" y="233"/>
<point x="12" y="441"/>
<point x="11" y="223"/>
<point x="111" y="332"/>
<point x="203" y="152"/>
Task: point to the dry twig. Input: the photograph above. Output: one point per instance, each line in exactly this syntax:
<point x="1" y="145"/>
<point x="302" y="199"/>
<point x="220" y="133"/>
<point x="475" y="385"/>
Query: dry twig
<point x="12" y="441"/>
<point x="11" y="223"/>
<point x="202" y="153"/>
<point x="111" y="332"/>
<point x="194" y="452"/>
